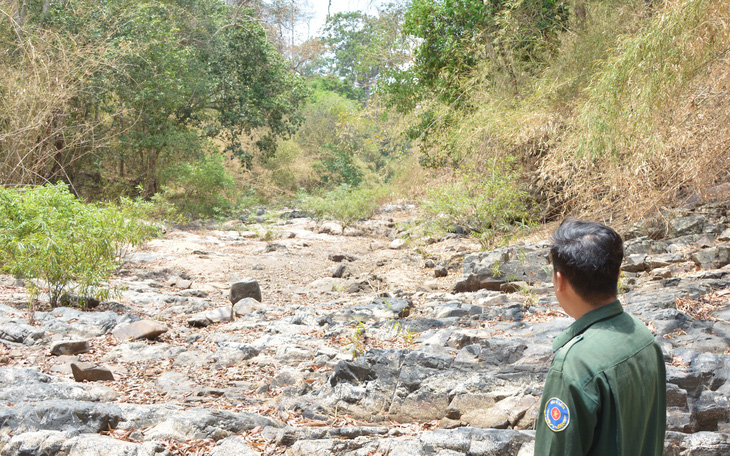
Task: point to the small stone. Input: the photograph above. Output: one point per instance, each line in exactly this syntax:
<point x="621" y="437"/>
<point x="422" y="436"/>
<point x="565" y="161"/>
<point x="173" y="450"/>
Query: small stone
<point x="429" y="264"/>
<point x="245" y="288"/>
<point x="340" y="257"/>
<point x="90" y="372"/>
<point x="69" y="347"/>
<point x="332" y="228"/>
<point x="724" y="236"/>
<point x="245" y="306"/>
<point x="513" y="287"/>
<point x="440" y="271"/>
<point x="184" y="284"/>
<point x="209" y="317"/>
<point x="339" y="271"/>
<point x="397" y="244"/>
<point x="142" y="329"/>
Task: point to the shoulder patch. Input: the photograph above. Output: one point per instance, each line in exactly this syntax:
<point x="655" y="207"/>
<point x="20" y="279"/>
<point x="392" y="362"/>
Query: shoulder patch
<point x="557" y="414"/>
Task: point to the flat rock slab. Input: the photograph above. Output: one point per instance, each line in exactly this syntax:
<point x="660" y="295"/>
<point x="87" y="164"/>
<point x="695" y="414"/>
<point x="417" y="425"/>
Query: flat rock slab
<point x="22" y="334"/>
<point x="69" y="347"/>
<point x="142" y="329"/>
<point x="90" y="372"/>
<point x="60" y="415"/>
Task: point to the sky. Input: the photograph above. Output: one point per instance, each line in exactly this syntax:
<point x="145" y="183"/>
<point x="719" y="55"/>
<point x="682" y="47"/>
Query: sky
<point x="319" y="9"/>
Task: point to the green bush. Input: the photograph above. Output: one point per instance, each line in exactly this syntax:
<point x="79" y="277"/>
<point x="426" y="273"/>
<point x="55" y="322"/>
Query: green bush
<point x="46" y="233"/>
<point x="482" y="203"/>
<point x="346" y="204"/>
<point x="202" y="188"/>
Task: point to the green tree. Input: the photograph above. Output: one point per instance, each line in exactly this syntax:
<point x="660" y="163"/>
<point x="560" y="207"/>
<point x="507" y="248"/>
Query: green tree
<point x="456" y="35"/>
<point x="154" y="84"/>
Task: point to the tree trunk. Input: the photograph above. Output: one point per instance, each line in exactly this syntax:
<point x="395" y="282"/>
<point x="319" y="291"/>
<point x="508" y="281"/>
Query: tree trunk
<point x="44" y="10"/>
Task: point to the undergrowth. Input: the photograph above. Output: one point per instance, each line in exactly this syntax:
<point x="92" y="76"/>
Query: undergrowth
<point x="345" y="203"/>
<point x="63" y="245"/>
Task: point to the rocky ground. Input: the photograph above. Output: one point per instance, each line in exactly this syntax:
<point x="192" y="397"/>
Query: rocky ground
<point x="361" y="342"/>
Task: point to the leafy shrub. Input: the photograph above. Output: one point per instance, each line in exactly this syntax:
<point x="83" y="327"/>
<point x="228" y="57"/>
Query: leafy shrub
<point x="46" y="233"/>
<point x="481" y="203"/>
<point x="202" y="188"/>
<point x="346" y="204"/>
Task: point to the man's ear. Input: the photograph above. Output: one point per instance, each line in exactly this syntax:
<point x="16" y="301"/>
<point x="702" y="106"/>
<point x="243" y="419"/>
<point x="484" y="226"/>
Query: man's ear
<point x="561" y="282"/>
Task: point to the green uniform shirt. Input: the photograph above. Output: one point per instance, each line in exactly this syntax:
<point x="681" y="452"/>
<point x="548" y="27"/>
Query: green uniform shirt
<point x="605" y="392"/>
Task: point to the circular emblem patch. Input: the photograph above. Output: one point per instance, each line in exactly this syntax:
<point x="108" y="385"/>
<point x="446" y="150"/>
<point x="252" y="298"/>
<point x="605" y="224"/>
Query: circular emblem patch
<point x="557" y="415"/>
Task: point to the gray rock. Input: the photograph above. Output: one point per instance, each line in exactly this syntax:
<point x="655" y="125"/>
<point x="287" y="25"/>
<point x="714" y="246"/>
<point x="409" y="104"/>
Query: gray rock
<point x="693" y="224"/>
<point x="724" y="236"/>
<point x="90" y="372"/>
<point x="69" y="347"/>
<point x="22" y="334"/>
<point x="60" y="415"/>
<point x="69" y="322"/>
<point x="245" y="288"/>
<point x="39" y="443"/>
<point x="100" y="445"/>
<point x="142" y="329"/>
<point x="713" y="258"/>
<point x="332" y="228"/>
<point x="526" y="263"/>
<point x="246" y="306"/>
<point x="24" y="385"/>
<point x="233" y="446"/>
<point x="205" y="424"/>
<point x="140" y="351"/>
<point x="213" y="316"/>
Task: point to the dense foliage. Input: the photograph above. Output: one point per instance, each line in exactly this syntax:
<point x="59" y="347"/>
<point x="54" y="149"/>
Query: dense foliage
<point x="112" y="93"/>
<point x="48" y="234"/>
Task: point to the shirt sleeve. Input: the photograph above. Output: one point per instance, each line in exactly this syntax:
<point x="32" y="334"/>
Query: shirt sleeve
<point x="568" y="415"/>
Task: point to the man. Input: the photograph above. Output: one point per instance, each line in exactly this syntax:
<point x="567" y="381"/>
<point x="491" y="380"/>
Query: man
<point x="605" y="392"/>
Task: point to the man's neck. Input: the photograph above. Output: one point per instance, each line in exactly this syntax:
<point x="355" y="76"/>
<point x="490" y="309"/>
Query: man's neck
<point x="580" y="307"/>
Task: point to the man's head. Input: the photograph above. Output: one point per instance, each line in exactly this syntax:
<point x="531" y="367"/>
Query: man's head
<point x="589" y="256"/>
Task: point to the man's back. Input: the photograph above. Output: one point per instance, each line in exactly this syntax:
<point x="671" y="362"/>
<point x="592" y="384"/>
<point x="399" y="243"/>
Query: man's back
<point x="606" y="390"/>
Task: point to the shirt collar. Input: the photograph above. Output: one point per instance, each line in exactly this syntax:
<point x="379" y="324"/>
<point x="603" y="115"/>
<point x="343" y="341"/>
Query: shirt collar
<point x="584" y="322"/>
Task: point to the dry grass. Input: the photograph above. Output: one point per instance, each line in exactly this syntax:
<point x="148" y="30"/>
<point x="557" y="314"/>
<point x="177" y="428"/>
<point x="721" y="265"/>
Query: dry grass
<point x="42" y="129"/>
<point x="654" y="130"/>
<point x="703" y="307"/>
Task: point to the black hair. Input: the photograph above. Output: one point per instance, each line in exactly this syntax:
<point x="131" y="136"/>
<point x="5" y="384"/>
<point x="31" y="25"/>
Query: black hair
<point x="589" y="255"/>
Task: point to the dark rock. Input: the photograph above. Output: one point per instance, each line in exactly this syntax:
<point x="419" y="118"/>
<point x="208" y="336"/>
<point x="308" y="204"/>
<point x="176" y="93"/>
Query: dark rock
<point x="440" y="271"/>
<point x="680" y="420"/>
<point x="340" y="257"/>
<point x="90" y="372"/>
<point x="245" y="288"/>
<point x="70" y="347"/>
<point x="356" y="371"/>
<point x="676" y="396"/>
<point x="711" y="408"/>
